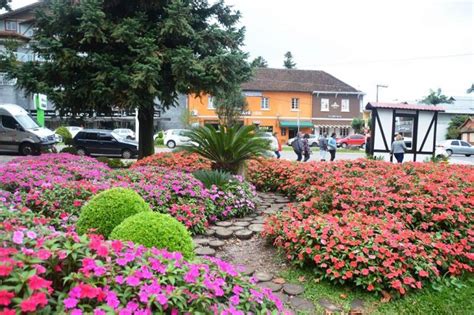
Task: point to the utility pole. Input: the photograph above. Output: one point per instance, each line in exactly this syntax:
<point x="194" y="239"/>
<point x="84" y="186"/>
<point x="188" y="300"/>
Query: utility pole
<point x="377" y="95"/>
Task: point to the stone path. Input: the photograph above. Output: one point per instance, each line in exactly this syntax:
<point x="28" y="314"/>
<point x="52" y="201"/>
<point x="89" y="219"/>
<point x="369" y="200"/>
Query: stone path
<point x="239" y="242"/>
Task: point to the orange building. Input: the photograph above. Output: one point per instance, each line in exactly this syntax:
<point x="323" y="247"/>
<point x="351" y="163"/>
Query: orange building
<point x="279" y="100"/>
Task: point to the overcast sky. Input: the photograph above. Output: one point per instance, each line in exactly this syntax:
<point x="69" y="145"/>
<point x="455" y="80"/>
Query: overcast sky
<point x="411" y="46"/>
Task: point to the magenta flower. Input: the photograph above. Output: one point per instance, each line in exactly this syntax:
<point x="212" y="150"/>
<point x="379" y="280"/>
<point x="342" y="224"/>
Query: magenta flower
<point x="133" y="281"/>
<point x="31" y="235"/>
<point x="70" y="302"/>
<point x="18" y="237"/>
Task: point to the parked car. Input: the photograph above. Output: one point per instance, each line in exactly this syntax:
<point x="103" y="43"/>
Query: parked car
<point x="175" y="138"/>
<point x="73" y="130"/>
<point x="312" y="140"/>
<point x="454" y="146"/>
<point x="125" y="133"/>
<point x="104" y="142"/>
<point x="352" y="140"/>
<point x="20" y="133"/>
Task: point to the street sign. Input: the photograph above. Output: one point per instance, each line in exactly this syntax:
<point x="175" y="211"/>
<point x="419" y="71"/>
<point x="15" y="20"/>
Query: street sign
<point x="41" y="104"/>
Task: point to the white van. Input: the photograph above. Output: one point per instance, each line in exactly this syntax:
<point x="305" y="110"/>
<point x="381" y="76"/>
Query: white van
<point x="20" y="133"/>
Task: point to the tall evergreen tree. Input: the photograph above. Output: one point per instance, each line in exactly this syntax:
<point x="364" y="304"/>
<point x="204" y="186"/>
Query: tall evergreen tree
<point x="5" y="4"/>
<point x="104" y="54"/>
<point x="229" y="106"/>
<point x="288" y="63"/>
<point x="259" y="62"/>
<point x="436" y="97"/>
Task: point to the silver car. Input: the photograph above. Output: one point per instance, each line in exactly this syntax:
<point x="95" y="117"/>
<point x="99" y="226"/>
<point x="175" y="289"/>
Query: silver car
<point x="454" y="146"/>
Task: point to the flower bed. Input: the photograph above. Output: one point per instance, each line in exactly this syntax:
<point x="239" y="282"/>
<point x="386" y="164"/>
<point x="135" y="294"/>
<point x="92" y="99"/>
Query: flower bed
<point x="58" y="185"/>
<point x="373" y="224"/>
<point x="180" y="161"/>
<point x="44" y="271"/>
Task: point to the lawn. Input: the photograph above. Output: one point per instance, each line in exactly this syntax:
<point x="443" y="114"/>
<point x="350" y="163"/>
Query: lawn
<point x="446" y="299"/>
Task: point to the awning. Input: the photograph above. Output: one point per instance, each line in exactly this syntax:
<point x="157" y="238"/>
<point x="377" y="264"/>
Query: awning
<point x="294" y="124"/>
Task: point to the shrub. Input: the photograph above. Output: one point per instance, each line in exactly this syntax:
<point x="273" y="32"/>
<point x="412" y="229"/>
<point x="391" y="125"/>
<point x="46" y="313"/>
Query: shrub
<point x="157" y="230"/>
<point x="179" y="161"/>
<point x="70" y="150"/>
<point x="113" y="163"/>
<point x="108" y="209"/>
<point x="213" y="177"/>
<point x="63" y="132"/>
<point x="374" y="224"/>
<point x="229" y="147"/>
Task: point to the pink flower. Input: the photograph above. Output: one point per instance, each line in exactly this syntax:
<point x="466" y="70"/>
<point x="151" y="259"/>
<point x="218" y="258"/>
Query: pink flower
<point x="76" y="311"/>
<point x="36" y="283"/>
<point x="133" y="281"/>
<point x="70" y="302"/>
<point x="162" y="299"/>
<point x="18" y="237"/>
<point x="98" y="311"/>
<point x="31" y="234"/>
<point x="5" y="297"/>
<point x="112" y="299"/>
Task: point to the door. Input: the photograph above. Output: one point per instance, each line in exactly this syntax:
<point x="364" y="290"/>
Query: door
<point x="455" y="147"/>
<point x="8" y="134"/>
<point x="108" y="145"/>
<point x="466" y="148"/>
<point x="92" y="143"/>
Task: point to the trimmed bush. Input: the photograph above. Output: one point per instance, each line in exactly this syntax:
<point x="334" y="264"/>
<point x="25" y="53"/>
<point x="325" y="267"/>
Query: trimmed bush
<point x="108" y="209"/>
<point x="63" y="132"/>
<point x="71" y="150"/>
<point x="158" y="230"/>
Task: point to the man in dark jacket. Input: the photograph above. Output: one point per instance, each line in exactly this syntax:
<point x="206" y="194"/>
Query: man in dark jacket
<point x="298" y="147"/>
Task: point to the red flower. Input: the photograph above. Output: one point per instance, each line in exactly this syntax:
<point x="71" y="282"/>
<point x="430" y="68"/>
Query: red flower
<point x="5" y="270"/>
<point x="30" y="304"/>
<point x="5" y="297"/>
<point x="7" y="311"/>
<point x="36" y="283"/>
<point x="423" y="273"/>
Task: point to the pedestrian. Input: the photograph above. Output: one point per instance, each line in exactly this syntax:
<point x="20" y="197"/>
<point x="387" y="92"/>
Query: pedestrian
<point x="276" y="145"/>
<point x="332" y="146"/>
<point x="323" y="146"/>
<point x="367" y="141"/>
<point x="306" y="149"/>
<point x="297" y="145"/>
<point x="398" y="148"/>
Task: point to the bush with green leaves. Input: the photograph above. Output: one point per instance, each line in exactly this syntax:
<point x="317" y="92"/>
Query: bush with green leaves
<point x="71" y="150"/>
<point x="113" y="163"/>
<point x="158" y="230"/>
<point x="160" y="138"/>
<point x="108" y="209"/>
<point x="63" y="132"/>
<point x="228" y="148"/>
<point x="213" y="177"/>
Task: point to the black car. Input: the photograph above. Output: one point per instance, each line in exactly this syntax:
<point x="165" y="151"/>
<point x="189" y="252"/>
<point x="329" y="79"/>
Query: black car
<point x="104" y="142"/>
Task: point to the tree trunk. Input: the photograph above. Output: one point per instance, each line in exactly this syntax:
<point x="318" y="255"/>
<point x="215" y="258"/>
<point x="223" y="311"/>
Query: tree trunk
<point x="146" y="145"/>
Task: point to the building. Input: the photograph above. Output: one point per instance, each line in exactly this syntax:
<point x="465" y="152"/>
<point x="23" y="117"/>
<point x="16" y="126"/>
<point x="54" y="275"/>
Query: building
<point x="17" y="26"/>
<point x="462" y="105"/>
<point x="467" y="130"/>
<point x="287" y="100"/>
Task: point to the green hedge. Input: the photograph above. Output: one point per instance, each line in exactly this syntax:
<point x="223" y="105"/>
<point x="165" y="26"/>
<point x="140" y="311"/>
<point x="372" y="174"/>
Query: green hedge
<point x="153" y="229"/>
<point x="108" y="209"/>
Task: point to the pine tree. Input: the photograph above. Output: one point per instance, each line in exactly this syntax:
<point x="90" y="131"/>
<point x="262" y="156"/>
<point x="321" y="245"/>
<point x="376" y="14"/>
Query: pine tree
<point x="288" y="62"/>
<point x="259" y="62"/>
<point x="104" y="54"/>
<point x="5" y="4"/>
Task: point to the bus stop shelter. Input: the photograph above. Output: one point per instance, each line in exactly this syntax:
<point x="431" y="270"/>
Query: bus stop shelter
<point x="416" y="123"/>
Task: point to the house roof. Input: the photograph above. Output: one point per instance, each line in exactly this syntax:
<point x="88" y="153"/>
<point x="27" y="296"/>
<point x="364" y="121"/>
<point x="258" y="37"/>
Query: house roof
<point x="293" y="80"/>
<point x="8" y="34"/>
<point x="468" y="125"/>
<point x="26" y="8"/>
<point x="372" y="105"/>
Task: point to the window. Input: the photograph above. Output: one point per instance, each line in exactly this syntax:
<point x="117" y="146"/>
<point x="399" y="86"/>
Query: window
<point x="104" y="137"/>
<point x="345" y="105"/>
<point x="9" y="122"/>
<point x="454" y="142"/>
<point x="325" y="105"/>
<point x="295" y="104"/>
<point x="210" y="102"/>
<point x="264" y="103"/>
<point x="344" y="131"/>
<point x="91" y="136"/>
<point x="465" y="144"/>
<point x="10" y="25"/>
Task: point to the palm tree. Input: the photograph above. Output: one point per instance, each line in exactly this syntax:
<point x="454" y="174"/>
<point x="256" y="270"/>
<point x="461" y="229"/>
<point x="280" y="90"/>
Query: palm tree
<point x="436" y="97"/>
<point x="228" y="148"/>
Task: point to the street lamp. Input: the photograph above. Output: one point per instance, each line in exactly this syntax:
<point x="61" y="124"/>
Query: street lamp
<point x="377" y="95"/>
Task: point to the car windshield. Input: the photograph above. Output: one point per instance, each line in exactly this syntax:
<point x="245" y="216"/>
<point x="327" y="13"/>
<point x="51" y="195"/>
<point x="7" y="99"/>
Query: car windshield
<point x="26" y="122"/>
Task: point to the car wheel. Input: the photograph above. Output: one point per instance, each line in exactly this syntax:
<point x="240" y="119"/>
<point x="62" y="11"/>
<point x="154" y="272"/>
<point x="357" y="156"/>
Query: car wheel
<point x="344" y="145"/>
<point x="81" y="152"/>
<point x="126" y="154"/>
<point x="27" y="149"/>
<point x="468" y="155"/>
<point x="449" y="152"/>
<point x="314" y="144"/>
<point x="171" y="144"/>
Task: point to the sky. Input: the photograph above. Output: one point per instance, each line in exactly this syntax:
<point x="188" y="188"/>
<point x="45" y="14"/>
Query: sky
<point x="411" y="46"/>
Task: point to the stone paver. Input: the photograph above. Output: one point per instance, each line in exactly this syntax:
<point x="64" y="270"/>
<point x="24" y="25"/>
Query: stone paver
<point x="224" y="223"/>
<point x="248" y="271"/>
<point x="270" y="285"/>
<point x="293" y="289"/>
<point x="256" y="228"/>
<point x="223" y="233"/>
<point x="244" y="234"/>
<point x="216" y="244"/>
<point x="328" y="305"/>
<point x="263" y="276"/>
<point x="243" y="224"/>
<point x="205" y="251"/>
<point x="301" y="305"/>
<point x="210" y="232"/>
<point x="201" y="241"/>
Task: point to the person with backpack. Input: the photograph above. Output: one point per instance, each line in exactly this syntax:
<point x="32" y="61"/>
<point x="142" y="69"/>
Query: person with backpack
<point x="297" y="145"/>
<point x="323" y="146"/>
<point x="332" y="146"/>
<point x="306" y="148"/>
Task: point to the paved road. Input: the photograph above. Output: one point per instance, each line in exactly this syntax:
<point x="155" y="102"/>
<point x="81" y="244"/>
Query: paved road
<point x="289" y="155"/>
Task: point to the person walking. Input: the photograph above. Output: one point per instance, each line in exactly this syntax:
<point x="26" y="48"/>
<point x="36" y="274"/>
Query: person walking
<point x="306" y="149"/>
<point x="276" y="145"/>
<point x="298" y="147"/>
<point x="323" y="146"/>
<point x="398" y="148"/>
<point x="332" y="146"/>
